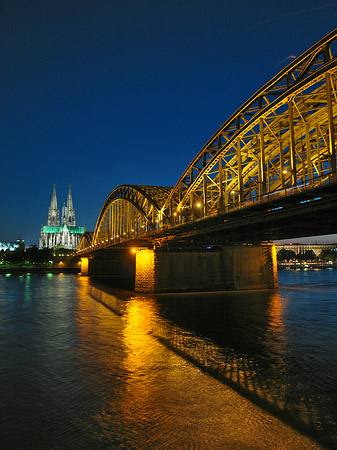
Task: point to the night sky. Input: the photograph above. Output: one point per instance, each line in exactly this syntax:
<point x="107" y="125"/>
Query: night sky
<point x="101" y="93"/>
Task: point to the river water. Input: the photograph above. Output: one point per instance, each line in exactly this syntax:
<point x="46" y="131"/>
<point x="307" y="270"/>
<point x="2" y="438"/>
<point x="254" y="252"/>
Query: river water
<point x="86" y="366"/>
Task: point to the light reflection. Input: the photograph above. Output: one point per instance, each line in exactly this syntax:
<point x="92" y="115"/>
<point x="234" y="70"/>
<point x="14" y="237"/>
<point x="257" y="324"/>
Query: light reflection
<point x="276" y="309"/>
<point x="276" y="343"/>
<point x="27" y="289"/>
<point x="156" y="394"/>
<point x="142" y="355"/>
<point x="122" y="347"/>
<point x="137" y="340"/>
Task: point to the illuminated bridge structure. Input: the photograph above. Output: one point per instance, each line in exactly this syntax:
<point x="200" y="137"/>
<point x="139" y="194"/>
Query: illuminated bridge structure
<point x="268" y="173"/>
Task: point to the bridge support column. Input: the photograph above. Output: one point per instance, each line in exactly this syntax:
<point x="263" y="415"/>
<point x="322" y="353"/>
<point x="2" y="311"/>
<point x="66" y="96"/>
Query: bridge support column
<point x="117" y="265"/>
<point x="228" y="268"/>
<point x="84" y="266"/>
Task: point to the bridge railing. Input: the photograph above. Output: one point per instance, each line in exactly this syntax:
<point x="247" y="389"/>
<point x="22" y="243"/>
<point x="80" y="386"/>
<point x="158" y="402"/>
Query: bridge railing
<point x="305" y="185"/>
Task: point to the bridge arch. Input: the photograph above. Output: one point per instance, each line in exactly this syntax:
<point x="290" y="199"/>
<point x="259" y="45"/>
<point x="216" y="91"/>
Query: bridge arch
<point x="85" y="241"/>
<point x="280" y="141"/>
<point x="129" y="211"/>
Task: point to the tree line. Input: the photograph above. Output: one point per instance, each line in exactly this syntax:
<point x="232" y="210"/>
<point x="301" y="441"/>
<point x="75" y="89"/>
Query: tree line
<point x="32" y="255"/>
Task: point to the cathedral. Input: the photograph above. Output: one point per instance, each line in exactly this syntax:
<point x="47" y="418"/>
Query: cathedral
<point x="66" y="234"/>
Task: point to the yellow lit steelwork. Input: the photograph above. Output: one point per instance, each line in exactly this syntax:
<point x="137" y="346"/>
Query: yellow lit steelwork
<point x="129" y="211"/>
<point x="85" y="241"/>
<point x="280" y="142"/>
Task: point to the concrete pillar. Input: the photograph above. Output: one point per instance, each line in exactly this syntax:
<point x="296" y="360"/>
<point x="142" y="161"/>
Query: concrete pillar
<point x="228" y="268"/>
<point x="118" y="265"/>
<point x="84" y="266"/>
<point x="145" y="271"/>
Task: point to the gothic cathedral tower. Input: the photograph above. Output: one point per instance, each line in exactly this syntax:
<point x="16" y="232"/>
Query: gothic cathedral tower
<point x="53" y="211"/>
<point x="68" y="211"/>
<point x="67" y="235"/>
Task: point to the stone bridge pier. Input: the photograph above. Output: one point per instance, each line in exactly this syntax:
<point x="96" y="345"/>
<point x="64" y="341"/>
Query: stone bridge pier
<point x="235" y="267"/>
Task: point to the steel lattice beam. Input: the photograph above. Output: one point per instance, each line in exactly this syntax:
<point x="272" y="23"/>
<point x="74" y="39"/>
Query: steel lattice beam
<point x="280" y="142"/>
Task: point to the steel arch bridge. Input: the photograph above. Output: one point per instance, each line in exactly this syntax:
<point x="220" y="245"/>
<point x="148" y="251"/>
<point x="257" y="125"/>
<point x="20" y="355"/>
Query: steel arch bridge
<point x="279" y="143"/>
<point x="128" y="211"/>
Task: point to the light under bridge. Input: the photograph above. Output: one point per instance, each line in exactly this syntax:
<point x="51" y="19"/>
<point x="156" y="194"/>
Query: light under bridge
<point x="268" y="173"/>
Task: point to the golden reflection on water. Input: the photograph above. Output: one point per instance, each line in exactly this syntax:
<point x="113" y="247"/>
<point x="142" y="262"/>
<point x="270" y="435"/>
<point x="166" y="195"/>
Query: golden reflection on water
<point x="275" y="337"/>
<point x="137" y="320"/>
<point x="162" y="401"/>
<point x="96" y="323"/>
<point x="277" y="306"/>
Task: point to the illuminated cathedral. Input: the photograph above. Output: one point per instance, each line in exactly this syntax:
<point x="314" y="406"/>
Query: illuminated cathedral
<point x="66" y="234"/>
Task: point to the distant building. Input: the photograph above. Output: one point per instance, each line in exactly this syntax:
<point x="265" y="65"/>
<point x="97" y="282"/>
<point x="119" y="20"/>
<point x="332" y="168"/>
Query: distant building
<point x="66" y="234"/>
<point x="301" y="248"/>
<point x="11" y="246"/>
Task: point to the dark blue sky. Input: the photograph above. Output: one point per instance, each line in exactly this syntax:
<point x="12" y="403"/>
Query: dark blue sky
<point x="101" y="93"/>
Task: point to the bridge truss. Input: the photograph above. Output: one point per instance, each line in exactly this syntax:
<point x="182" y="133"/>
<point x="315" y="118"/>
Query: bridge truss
<point x="280" y="142"/>
<point x="85" y="241"/>
<point x="129" y="211"/>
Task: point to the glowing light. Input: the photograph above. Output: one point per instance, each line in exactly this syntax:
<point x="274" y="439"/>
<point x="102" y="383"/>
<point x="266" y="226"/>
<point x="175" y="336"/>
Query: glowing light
<point x="285" y="171"/>
<point x="145" y="270"/>
<point x="174" y="214"/>
<point x="133" y="250"/>
<point x="198" y="205"/>
<point x="84" y="266"/>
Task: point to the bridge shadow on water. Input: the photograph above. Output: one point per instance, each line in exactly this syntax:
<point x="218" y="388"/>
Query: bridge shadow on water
<point x="239" y="339"/>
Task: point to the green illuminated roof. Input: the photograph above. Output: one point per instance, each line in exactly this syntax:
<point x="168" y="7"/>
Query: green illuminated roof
<point x="54" y="229"/>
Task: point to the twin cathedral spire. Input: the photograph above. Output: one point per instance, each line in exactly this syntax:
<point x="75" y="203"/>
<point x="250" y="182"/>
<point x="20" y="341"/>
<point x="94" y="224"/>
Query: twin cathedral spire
<point x="65" y="234"/>
<point x="68" y="211"/>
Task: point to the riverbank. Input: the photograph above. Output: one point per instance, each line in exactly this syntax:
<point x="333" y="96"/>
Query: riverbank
<point x="306" y="265"/>
<point x="38" y="270"/>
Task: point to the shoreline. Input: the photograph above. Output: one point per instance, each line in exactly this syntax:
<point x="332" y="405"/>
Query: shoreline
<point x="305" y="266"/>
<point x="38" y="270"/>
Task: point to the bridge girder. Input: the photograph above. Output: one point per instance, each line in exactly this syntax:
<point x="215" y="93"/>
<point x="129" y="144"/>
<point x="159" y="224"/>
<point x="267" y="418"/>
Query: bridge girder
<point x="85" y="241"/>
<point x="282" y="138"/>
<point x="280" y="142"/>
<point x="129" y="211"/>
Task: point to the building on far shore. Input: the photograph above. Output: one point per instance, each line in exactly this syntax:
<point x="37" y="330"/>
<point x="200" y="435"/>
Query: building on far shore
<point x="11" y="246"/>
<point x="66" y="234"/>
<point x="301" y="248"/>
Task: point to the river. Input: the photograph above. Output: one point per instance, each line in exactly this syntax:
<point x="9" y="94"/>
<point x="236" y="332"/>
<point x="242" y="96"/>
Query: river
<point x="86" y="366"/>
